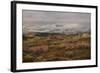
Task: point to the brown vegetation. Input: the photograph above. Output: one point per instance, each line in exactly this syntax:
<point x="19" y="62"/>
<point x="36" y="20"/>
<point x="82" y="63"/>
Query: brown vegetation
<point x="56" y="47"/>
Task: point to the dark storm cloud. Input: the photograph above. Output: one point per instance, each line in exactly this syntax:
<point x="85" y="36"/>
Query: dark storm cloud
<point x="48" y="21"/>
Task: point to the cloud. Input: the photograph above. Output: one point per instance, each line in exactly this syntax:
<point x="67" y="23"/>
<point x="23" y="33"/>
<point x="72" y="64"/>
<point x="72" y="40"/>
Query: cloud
<point x="45" y="21"/>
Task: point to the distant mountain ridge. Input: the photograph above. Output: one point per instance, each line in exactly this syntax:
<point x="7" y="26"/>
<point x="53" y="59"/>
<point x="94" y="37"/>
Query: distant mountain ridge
<point x="46" y="33"/>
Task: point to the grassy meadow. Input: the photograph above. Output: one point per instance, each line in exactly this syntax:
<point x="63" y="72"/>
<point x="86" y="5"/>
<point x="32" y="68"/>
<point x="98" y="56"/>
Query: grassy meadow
<point x="41" y="47"/>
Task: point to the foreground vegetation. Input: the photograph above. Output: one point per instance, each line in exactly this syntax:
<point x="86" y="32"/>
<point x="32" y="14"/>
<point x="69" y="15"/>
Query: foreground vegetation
<point x="38" y="47"/>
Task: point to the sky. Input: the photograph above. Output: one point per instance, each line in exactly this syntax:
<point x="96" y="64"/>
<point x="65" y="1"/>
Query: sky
<point x="54" y="21"/>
